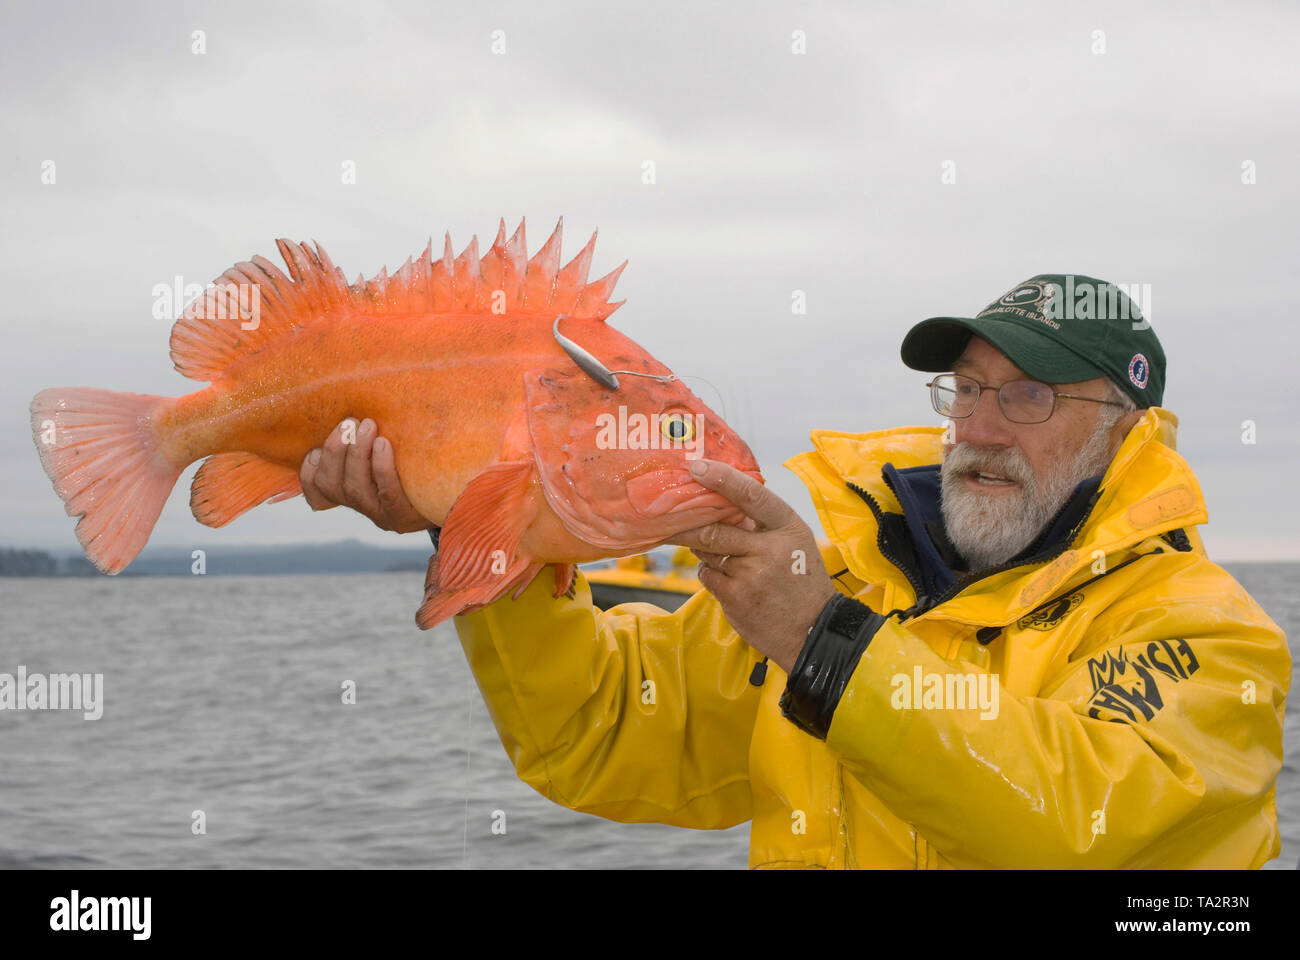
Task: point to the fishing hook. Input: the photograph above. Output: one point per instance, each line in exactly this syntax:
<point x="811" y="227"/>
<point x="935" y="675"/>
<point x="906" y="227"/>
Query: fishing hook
<point x="593" y="367"/>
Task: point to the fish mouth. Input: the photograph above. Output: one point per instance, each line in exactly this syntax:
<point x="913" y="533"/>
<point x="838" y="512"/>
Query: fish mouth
<point x="676" y="493"/>
<point x="645" y="511"/>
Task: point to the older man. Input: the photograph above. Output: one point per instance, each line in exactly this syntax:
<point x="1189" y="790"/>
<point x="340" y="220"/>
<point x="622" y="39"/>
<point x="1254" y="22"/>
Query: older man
<point x="1014" y="651"/>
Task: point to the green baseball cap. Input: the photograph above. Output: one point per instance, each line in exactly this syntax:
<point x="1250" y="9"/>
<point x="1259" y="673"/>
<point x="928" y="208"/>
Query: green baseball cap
<point x="1058" y="328"/>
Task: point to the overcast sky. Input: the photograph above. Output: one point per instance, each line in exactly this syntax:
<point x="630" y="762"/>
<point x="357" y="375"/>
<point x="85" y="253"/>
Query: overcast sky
<point x="775" y="171"/>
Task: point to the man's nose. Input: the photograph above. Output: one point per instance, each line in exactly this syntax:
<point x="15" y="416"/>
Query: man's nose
<point x="986" y="426"/>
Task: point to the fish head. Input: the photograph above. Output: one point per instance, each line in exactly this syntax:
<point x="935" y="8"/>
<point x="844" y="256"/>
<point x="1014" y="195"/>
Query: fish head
<point x="614" y="463"/>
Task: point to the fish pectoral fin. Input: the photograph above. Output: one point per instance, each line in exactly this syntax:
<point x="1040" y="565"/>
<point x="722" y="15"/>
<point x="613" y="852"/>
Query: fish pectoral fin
<point x="484" y="526"/>
<point x="229" y="484"/>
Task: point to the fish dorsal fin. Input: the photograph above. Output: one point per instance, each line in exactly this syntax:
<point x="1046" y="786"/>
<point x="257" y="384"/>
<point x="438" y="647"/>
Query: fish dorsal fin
<point x="254" y="302"/>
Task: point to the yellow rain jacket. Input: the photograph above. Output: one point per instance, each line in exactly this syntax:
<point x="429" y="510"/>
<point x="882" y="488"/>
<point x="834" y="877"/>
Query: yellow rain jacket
<point x="1139" y="715"/>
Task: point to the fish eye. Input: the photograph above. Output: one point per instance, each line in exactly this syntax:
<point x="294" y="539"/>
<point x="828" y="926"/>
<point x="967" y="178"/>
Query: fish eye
<point x="677" y="428"/>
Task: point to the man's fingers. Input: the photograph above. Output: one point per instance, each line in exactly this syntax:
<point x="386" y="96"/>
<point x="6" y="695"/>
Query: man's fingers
<point x="358" y="480"/>
<point x="398" y="511"/>
<point x="745" y="492"/>
<point x="307" y="477"/>
<point x="354" y="468"/>
<point x="384" y="469"/>
<point x="718" y="584"/>
<point x="333" y="457"/>
<point x="722" y="562"/>
<point x="709" y="578"/>
<point x="719" y="538"/>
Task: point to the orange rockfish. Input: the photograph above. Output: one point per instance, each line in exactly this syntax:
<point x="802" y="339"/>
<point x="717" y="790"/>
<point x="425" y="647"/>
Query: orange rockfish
<point x="525" y="427"/>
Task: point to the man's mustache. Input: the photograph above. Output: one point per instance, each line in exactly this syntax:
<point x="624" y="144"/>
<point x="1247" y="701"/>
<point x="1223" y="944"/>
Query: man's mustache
<point x="1002" y="461"/>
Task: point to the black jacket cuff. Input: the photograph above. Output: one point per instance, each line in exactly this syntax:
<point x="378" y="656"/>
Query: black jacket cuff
<point x="829" y="657"/>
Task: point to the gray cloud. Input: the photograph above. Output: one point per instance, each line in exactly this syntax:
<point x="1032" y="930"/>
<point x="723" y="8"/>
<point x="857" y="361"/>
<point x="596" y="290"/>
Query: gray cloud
<point x="775" y="172"/>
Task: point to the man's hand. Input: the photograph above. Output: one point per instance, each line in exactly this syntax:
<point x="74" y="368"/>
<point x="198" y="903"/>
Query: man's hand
<point x="767" y="573"/>
<point x="361" y="475"/>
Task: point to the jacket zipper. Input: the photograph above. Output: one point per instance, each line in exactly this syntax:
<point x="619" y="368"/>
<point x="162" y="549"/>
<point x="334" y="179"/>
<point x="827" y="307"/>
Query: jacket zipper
<point x="926" y="603"/>
<point x="918" y="589"/>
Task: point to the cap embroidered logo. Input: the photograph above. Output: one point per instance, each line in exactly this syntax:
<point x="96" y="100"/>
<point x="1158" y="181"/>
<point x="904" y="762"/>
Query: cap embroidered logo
<point x="1137" y="371"/>
<point x="1025" y="295"/>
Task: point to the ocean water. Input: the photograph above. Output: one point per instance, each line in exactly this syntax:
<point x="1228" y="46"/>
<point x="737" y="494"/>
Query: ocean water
<point x="224" y="695"/>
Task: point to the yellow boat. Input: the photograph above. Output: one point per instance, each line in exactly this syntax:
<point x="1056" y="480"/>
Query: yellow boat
<point x="666" y="582"/>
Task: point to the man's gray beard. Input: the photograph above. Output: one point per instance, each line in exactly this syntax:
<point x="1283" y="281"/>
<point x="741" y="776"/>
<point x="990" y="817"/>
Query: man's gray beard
<point x="990" y="529"/>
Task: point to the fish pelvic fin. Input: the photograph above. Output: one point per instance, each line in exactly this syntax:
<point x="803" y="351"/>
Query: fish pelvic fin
<point x="101" y="451"/>
<point x="229" y="484"/>
<point x="255" y="303"/>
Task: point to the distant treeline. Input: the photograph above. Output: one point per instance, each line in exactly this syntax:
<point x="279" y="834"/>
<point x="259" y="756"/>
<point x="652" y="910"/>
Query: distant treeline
<point x="38" y="563"/>
<point x="344" y="556"/>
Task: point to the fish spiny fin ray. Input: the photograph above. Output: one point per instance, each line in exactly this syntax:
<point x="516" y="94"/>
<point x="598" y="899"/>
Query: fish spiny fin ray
<point x="255" y="303"/>
<point x="539" y="279"/>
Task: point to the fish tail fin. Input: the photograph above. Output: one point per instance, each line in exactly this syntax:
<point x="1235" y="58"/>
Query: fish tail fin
<point x="100" y="450"/>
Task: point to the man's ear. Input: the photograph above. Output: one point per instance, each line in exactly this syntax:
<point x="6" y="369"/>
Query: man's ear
<point x="1122" y="426"/>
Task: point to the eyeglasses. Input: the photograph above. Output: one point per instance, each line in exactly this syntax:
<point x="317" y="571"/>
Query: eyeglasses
<point x="1022" y="401"/>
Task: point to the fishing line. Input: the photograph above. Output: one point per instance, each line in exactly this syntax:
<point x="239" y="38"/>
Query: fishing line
<point x="722" y="404"/>
<point x="593" y="367"/>
<point x="606" y="377"/>
<point x="469" y="743"/>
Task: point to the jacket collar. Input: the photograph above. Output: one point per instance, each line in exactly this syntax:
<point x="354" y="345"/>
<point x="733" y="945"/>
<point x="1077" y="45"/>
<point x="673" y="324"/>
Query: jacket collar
<point x="1147" y="490"/>
<point x="935" y="561"/>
